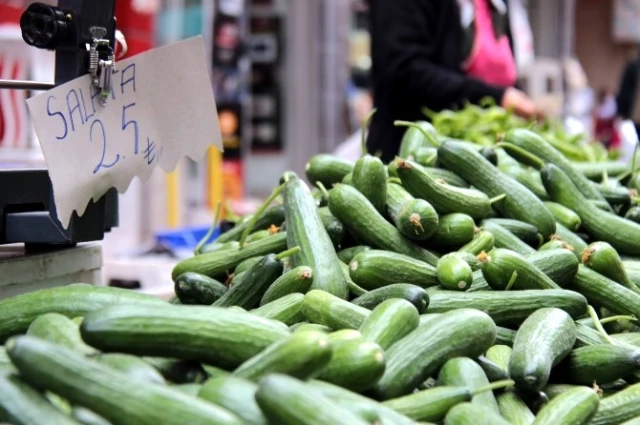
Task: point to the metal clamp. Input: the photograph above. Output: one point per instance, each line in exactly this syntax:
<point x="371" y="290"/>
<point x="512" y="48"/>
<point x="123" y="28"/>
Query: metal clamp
<point x="102" y="63"/>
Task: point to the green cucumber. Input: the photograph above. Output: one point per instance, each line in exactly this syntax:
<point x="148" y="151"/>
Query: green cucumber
<point x="251" y="287"/>
<point x="529" y="178"/>
<point x="513" y="408"/>
<point x="412" y="293"/>
<point x="296" y="280"/>
<point x="492" y="370"/>
<point x="132" y="366"/>
<point x="273" y="215"/>
<point x="470" y="259"/>
<point x="464" y="372"/>
<point x="178" y="371"/>
<point x="287" y="401"/>
<point x="632" y="338"/>
<point x="198" y="289"/>
<point x="505" y="336"/>
<point x="449" y="177"/>
<point x="599" y="363"/>
<point x="618" y="197"/>
<point x="113" y="395"/>
<point x="509" y="307"/>
<point x="554" y="390"/>
<point x="454" y="273"/>
<point x="287" y="309"/>
<point x="247" y="264"/>
<point x="633" y="421"/>
<point x="555" y="244"/>
<point x="210" y="334"/>
<point x="339" y="338"/>
<point x="538" y="146"/>
<point x="61" y="330"/>
<point x="454" y="231"/>
<point x="236" y="395"/>
<point x="425" y="156"/>
<point x="305" y="230"/>
<point x="367" y="225"/>
<point x="604" y="259"/>
<point x="524" y="231"/>
<point x="191" y="389"/>
<point x="619" y="407"/>
<point x="327" y="169"/>
<point x="482" y="241"/>
<point x="472" y="414"/>
<point x="500" y="265"/>
<point x="587" y="335"/>
<point x="622" y="234"/>
<point x="87" y="417"/>
<point x="353" y="287"/>
<point x="503" y="238"/>
<point x="633" y="214"/>
<point x="260" y="234"/>
<point x="325" y="309"/>
<point x="490" y="154"/>
<point x="444" y="197"/>
<point x="356" y="365"/>
<point x="302" y="355"/>
<point x="558" y="264"/>
<point x="418" y="355"/>
<point x="390" y="321"/>
<point x="594" y="170"/>
<point x="568" y="218"/>
<point x="306" y="326"/>
<point x="347" y="254"/>
<point x="574" y="407"/>
<point x="414" y="138"/>
<point x="417" y="220"/>
<point x="377" y="268"/>
<point x="219" y="263"/>
<point x="542" y="341"/>
<point x="500" y="355"/>
<point x="570" y="238"/>
<point x="17" y="313"/>
<point x="335" y="229"/>
<point x="348" y="178"/>
<point x="520" y="203"/>
<point x="219" y="246"/>
<point x="370" y="178"/>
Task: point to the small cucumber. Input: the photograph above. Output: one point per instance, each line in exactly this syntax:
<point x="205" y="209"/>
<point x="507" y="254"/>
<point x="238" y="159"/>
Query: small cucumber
<point x="542" y="341"/>
<point x="604" y="259"/>
<point x="370" y="178"/>
<point x="417" y="220"/>
<point x="619" y="407"/>
<point x="197" y="289"/>
<point x="347" y="254"/>
<point x="464" y="372"/>
<point x="390" y="321"/>
<point x="482" y="241"/>
<point x="286" y="309"/>
<point x="327" y="169"/>
<point x="571" y="238"/>
<point x="356" y="365"/>
<point x="454" y="231"/>
<point x="335" y="229"/>
<point x="500" y="265"/>
<point x="376" y="268"/>
<point x="454" y="273"/>
<point x="513" y="408"/>
<point x="302" y="355"/>
<point x="132" y="366"/>
<point x="412" y="293"/>
<point x="296" y="280"/>
<point x="325" y="309"/>
<point x="574" y="407"/>
<point x="523" y="231"/>
<point x="236" y="395"/>
<point x="598" y="363"/>
<point x="564" y="215"/>
<point x="503" y="238"/>
<point x="472" y="414"/>
<point x="60" y="330"/>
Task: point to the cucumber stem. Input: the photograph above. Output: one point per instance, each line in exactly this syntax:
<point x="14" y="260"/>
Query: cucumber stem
<point x="494" y="386"/>
<point x="497" y="198"/>
<point x="427" y="136"/>
<point x="288" y="253"/>
<point x="598" y="325"/>
<point x="206" y="237"/>
<point x="258" y="213"/>
<point x="616" y="318"/>
<point x="432" y="158"/>
<point x="521" y="155"/>
<point x="363" y="138"/>
<point x="514" y="276"/>
<point x="428" y="112"/>
<point x="323" y="189"/>
<point x="394" y="180"/>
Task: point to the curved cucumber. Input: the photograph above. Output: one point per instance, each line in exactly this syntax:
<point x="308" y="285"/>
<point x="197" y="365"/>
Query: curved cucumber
<point x="60" y="330"/>
<point x="482" y="241"/>
<point x="499" y="266"/>
<point x="601" y="257"/>
<point x="327" y="169"/>
<point x="390" y="321"/>
<point x="412" y="293"/>
<point x="376" y="268"/>
<point x="574" y="407"/>
<point x="198" y="289"/>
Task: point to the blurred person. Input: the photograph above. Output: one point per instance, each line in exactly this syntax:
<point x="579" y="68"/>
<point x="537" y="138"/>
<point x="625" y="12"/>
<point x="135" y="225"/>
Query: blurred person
<point x="438" y="54"/>
<point x="604" y="119"/>
<point x="628" y="107"/>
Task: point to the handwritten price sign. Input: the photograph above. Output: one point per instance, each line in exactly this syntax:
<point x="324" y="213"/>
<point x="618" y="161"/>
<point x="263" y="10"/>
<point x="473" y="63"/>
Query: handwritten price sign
<point x="161" y="108"/>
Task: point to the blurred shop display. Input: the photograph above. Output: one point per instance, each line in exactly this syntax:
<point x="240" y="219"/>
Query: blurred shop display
<point x="626" y="15"/>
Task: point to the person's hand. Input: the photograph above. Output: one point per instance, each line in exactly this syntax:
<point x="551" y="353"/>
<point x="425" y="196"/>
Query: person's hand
<point x="519" y="103"/>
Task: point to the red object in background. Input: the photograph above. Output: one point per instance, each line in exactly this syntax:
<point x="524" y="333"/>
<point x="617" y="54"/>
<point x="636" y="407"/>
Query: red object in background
<point x="138" y="28"/>
<point x="233" y="179"/>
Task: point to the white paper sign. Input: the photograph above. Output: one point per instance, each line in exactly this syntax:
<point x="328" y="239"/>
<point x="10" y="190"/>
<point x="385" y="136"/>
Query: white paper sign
<point x="161" y="108"/>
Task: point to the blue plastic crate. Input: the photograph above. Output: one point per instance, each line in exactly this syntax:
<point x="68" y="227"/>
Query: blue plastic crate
<point x="185" y="237"/>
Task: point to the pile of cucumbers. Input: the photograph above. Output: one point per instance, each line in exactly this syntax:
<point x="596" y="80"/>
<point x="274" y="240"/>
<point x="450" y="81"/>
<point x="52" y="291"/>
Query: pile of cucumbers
<point x="469" y="285"/>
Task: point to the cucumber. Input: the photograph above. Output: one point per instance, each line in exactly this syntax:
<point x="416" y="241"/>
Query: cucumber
<point x="619" y="407"/>
<point x="425" y="156"/>
<point x="604" y="259"/>
<point x="198" y="289"/>
<point x="505" y="336"/>
<point x="273" y="215"/>
<point x="493" y="371"/>
<point x="210" y="334"/>
<point x="355" y="365"/>
<point x="417" y="356"/>
<point x="554" y="390"/>
<point x="132" y="366"/>
<point x="60" y="330"/>
<point x="538" y="146"/>
<point x="236" y="395"/>
<point x="523" y="231"/>
<point x="252" y="285"/>
<point x="347" y="254"/>
<point x="287" y="401"/>
<point x="348" y="178"/>
<point x="325" y="309"/>
<point x="520" y="203"/>
<point x="570" y="238"/>
<point x="287" y="309"/>
<point x="353" y="287"/>
<point x="414" y="139"/>
<point x="482" y="241"/>
<point x="370" y="178"/>
<point x="178" y="371"/>
<point x="17" y="313"/>
<point x="558" y="264"/>
<point x="622" y="234"/>
<point x="412" y="293"/>
<point x="377" y="268"/>
<point x="632" y="338"/>
<point x="327" y="169"/>
<point x="500" y="355"/>
<point x="302" y="355"/>
<point x="339" y="338"/>
<point x="454" y="273"/>
<point x="568" y="218"/>
<point x="503" y="238"/>
<point x="574" y="407"/>
<point x="509" y="307"/>
<point x="449" y="177"/>
<point x="217" y="246"/>
<point x="499" y="266"/>
<point x="633" y="214"/>
<point x="191" y="389"/>
<point x="594" y="170"/>
<point x="588" y="336"/>
<point x="431" y="404"/>
<point x="260" y="234"/>
<point x="367" y="225"/>
<point x="113" y="395"/>
<point x="306" y="326"/>
<point x="454" y="231"/>
<point x="513" y="408"/>
<point x="444" y="197"/>
<point x="598" y="363"/>
<point x="490" y="155"/>
<point x="296" y="280"/>
<point x="219" y="263"/>
<point x="472" y="414"/>
<point x="390" y="321"/>
<point x="305" y="230"/>
<point x="247" y="264"/>
<point x="87" y="417"/>
<point x="529" y="178"/>
<point x="417" y="220"/>
<point x="542" y="341"/>
<point x="555" y="244"/>
<point x="470" y="259"/>
<point x="21" y="404"/>
<point x="618" y="197"/>
<point x="335" y="229"/>
<point x="464" y="372"/>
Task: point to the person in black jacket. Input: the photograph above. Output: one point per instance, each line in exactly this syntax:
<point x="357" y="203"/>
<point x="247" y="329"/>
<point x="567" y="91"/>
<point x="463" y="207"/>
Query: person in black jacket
<point x="627" y="102"/>
<point x="438" y="54"/>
